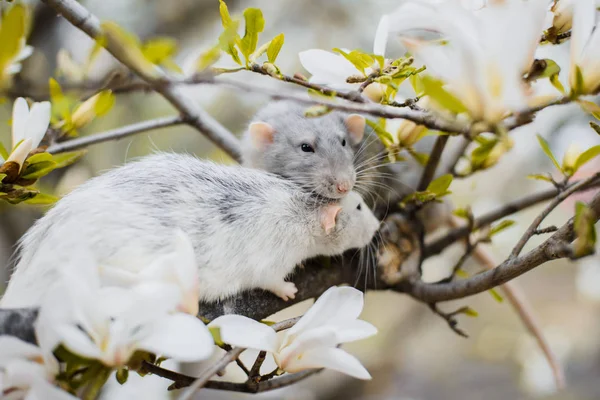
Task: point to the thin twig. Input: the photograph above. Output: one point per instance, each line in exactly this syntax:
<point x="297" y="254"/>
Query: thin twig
<point x="548" y="229"/>
<point x="553" y="204"/>
<point x="81" y="18"/>
<point x="115" y="134"/>
<point x="255" y="370"/>
<point x="432" y="162"/>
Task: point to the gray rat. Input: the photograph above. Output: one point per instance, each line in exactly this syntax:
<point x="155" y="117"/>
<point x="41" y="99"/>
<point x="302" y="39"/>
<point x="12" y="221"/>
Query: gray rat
<point x="316" y="153"/>
<point x="249" y="228"/>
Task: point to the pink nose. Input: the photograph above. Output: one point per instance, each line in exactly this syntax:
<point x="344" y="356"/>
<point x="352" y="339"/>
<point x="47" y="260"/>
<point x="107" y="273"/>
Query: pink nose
<point x="342" y="187"/>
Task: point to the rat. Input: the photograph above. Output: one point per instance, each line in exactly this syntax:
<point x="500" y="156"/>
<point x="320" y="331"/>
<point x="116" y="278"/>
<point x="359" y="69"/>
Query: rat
<point x="315" y="153"/>
<point x="249" y="228"/>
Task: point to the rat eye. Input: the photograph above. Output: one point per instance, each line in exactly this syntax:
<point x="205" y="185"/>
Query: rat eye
<point x="307" y="148"/>
<point x="343" y="142"/>
<point x="358" y="207"/>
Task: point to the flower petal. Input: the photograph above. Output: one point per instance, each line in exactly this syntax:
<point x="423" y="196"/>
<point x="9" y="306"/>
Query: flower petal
<point x="181" y="337"/>
<point x="353" y="331"/>
<point x="241" y="331"/>
<point x="381" y="36"/>
<point x="326" y="67"/>
<point x="12" y="348"/>
<point x="336" y="305"/>
<point x="19" y="154"/>
<point x="331" y="358"/>
<point x="46" y="391"/>
<point x="77" y="341"/>
<point x="19" y="120"/>
<point x="37" y="124"/>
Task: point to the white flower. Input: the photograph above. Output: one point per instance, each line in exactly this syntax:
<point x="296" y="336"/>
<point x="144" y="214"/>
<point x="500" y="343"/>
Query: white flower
<point x="25" y="373"/>
<point x="313" y="341"/>
<point x="483" y="63"/>
<point x="332" y="69"/>
<point x="177" y="268"/>
<point x="585" y="48"/>
<point x="562" y="15"/>
<point x="109" y="324"/>
<point x="28" y="128"/>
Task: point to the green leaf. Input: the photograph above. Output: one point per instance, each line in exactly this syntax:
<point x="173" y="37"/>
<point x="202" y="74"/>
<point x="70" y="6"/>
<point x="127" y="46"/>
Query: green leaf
<point x="379" y="128"/>
<point x="380" y="60"/>
<point x="225" y="17"/>
<point x="546" y="147"/>
<point x="557" y="84"/>
<point x="578" y="89"/>
<point x="267" y="322"/>
<point x="496" y="295"/>
<point x="595" y="127"/>
<point x="157" y="50"/>
<point x="39" y="169"/>
<point x="215" y="331"/>
<point x="359" y="59"/>
<point x="434" y="89"/>
<point x="584" y="230"/>
<point x="104" y="103"/>
<point x="61" y="105"/>
<point x="255" y="23"/>
<point x="551" y="69"/>
<point x="417" y="83"/>
<point x="99" y="44"/>
<point x="42" y="199"/>
<point x="65" y="159"/>
<point x="275" y="47"/>
<point x="468" y="311"/>
<point x="462" y="213"/>
<point x="540" y="177"/>
<point x="228" y="39"/>
<point x="2" y="176"/>
<point x="421" y="158"/>
<point x="39" y="157"/>
<point x="208" y="58"/>
<point x="3" y="153"/>
<point x="440" y="185"/>
<point x="501" y="226"/>
<point x="590" y="107"/>
<point x="317" y="111"/>
<point x="12" y="32"/>
<point x="586" y="156"/>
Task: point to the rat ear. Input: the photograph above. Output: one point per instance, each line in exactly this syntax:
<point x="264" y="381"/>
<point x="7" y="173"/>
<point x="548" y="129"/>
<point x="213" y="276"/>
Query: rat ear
<point x="261" y="134"/>
<point x="327" y="215"/>
<point x="356" y="127"/>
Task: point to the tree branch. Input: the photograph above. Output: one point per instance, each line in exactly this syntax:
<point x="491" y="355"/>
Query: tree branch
<point x="433" y="162"/>
<point x="81" y="18"/>
<point x="115" y="134"/>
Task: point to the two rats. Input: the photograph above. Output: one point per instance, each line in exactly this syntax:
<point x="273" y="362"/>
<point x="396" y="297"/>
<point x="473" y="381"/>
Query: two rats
<point x="249" y="228"/>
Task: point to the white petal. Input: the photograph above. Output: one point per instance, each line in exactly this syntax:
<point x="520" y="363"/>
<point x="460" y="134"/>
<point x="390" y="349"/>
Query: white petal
<point x="19" y="120"/>
<point x="326" y="67"/>
<point x="354" y="330"/>
<point x="336" y="305"/>
<point x="584" y="17"/>
<point x="331" y="358"/>
<point x="307" y="340"/>
<point x="181" y="337"/>
<point x="19" y="154"/>
<point x="37" y="124"/>
<point x="25" y="52"/>
<point x="46" y="391"/>
<point x="12" y="348"/>
<point x="381" y="36"/>
<point x="241" y="331"/>
<point x="77" y="341"/>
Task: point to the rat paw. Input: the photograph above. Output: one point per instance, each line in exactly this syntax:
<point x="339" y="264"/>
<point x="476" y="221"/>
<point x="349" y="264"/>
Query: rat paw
<point x="287" y="290"/>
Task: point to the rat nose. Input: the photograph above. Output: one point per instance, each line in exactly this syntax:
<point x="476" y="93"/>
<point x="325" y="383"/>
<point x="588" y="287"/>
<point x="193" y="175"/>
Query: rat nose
<point x="343" y="187"/>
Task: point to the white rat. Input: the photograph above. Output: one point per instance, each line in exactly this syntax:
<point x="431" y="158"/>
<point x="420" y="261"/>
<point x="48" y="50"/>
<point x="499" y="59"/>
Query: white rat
<point x="315" y="153"/>
<point x="249" y="228"/>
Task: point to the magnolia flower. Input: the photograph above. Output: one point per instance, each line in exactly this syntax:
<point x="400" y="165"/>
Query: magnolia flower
<point x="176" y="268"/>
<point x="110" y="324"/>
<point x="313" y="341"/>
<point x="483" y="62"/>
<point x="562" y="15"/>
<point x="25" y="372"/>
<point x="332" y="69"/>
<point x="584" y="75"/>
<point x="28" y="128"/>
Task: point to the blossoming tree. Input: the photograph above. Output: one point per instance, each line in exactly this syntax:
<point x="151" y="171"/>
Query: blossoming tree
<point x="464" y="77"/>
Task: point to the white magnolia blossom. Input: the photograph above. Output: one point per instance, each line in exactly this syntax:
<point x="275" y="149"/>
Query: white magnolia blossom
<point x="483" y="62"/>
<point x="332" y="69"/>
<point x="312" y="342"/>
<point x="27" y="373"/>
<point x="585" y="47"/>
<point x="109" y="323"/>
<point x="562" y="14"/>
<point x="28" y="128"/>
<point x="177" y="268"/>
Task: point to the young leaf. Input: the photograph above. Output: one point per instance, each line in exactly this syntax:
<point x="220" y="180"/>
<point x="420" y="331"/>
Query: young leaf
<point x="42" y="199"/>
<point x="208" y="58"/>
<point x="595" y="127"/>
<point x="228" y="40"/>
<point x="440" y="185"/>
<point x="502" y="225"/>
<point x="104" y="102"/>
<point x="39" y="157"/>
<point x="2" y="176"/>
<point x="275" y="47"/>
<point x="59" y="102"/>
<point x="421" y="158"/>
<point x="386" y="138"/>
<point x="225" y="17"/>
<point x="546" y="147"/>
<point x="468" y="311"/>
<point x="556" y="83"/>
<point x="159" y="49"/>
<point x="584" y="230"/>
<point x="496" y="295"/>
<point x="578" y="89"/>
<point x="65" y="159"/>
<point x="434" y="89"/>
<point x="462" y="213"/>
<point x="590" y="107"/>
<point x="540" y="177"/>
<point x="359" y="59"/>
<point x="586" y="156"/>
<point x="317" y="111"/>
<point x="255" y="23"/>
<point x="215" y="331"/>
<point x="39" y="169"/>
<point x="3" y="152"/>
<point x="13" y="29"/>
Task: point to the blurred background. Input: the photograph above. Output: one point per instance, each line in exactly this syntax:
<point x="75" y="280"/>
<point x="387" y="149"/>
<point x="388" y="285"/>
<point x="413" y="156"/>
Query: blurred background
<point x="415" y="356"/>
